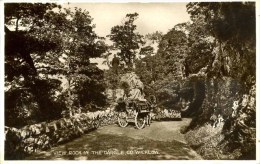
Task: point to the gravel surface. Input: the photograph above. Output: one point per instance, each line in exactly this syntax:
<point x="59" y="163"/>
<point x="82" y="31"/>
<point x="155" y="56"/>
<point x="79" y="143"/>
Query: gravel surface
<point x="160" y="141"/>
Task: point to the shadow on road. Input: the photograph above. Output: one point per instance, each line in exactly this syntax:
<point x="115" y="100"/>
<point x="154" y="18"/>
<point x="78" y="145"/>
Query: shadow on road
<point x="160" y="141"/>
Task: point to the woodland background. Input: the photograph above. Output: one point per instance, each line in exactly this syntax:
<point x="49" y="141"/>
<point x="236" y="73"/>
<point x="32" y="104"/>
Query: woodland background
<point x="205" y="68"/>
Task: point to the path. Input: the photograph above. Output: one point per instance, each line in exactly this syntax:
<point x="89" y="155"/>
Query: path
<point x="160" y="141"/>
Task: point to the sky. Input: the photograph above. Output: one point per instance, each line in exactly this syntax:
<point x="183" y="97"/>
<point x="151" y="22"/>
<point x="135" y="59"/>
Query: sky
<point x="152" y="17"/>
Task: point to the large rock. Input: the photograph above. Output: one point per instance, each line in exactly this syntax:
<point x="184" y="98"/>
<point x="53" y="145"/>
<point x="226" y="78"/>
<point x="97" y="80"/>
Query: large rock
<point x="134" y="84"/>
<point x="119" y="93"/>
<point x="132" y="80"/>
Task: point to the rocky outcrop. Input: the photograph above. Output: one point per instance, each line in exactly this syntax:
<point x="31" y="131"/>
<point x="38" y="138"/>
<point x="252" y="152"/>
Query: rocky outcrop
<point x="128" y="85"/>
<point x="132" y="86"/>
<point x="224" y="125"/>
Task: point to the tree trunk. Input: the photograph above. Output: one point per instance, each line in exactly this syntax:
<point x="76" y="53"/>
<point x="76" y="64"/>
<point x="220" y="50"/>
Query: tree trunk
<point x="71" y="112"/>
<point x="70" y="99"/>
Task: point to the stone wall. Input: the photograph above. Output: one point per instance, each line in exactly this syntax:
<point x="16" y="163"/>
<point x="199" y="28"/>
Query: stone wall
<point x="37" y="137"/>
<point x="166" y="114"/>
<point x="33" y="138"/>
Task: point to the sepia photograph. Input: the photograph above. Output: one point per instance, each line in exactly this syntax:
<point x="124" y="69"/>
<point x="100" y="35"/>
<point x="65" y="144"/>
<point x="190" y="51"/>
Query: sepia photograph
<point x="129" y="81"/>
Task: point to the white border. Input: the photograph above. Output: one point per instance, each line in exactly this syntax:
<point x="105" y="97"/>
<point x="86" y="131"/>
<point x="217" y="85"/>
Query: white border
<point x="2" y="82"/>
<point x="128" y="161"/>
<point x="257" y="82"/>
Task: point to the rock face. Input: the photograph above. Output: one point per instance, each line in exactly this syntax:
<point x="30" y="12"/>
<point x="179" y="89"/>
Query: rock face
<point x="129" y="85"/>
<point x="119" y="93"/>
<point x="132" y="84"/>
<point x="33" y="138"/>
<point x="132" y="80"/>
<point x="224" y="123"/>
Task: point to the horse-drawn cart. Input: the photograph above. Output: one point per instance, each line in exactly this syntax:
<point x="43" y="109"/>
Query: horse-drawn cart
<point x="134" y="111"/>
<point x="132" y="105"/>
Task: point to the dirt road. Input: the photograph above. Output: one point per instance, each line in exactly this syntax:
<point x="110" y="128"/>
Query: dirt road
<point x="160" y="141"/>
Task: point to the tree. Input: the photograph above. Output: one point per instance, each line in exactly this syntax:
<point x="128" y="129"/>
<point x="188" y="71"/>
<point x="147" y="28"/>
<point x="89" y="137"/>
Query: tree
<point x="162" y="73"/>
<point x="173" y="50"/>
<point x="24" y="16"/>
<point x="126" y="39"/>
<point x="28" y="98"/>
<point x="78" y="42"/>
<point x="169" y="59"/>
<point x="155" y="37"/>
<point x="57" y="44"/>
<point x="200" y="52"/>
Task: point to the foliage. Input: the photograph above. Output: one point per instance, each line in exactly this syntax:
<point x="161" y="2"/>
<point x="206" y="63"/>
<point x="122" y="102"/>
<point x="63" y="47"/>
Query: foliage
<point x="54" y="50"/>
<point x="234" y="53"/>
<point x="154" y="37"/>
<point x="173" y="49"/>
<point x="217" y="61"/>
<point x="30" y="101"/>
<point x="162" y="72"/>
<point x="145" y="69"/>
<point x="209" y="63"/>
<point x="26" y="95"/>
<point x="79" y="43"/>
<point x="224" y="23"/>
<point x="169" y="60"/>
<point x="126" y="39"/>
<point x="24" y="16"/>
<point x="201" y="45"/>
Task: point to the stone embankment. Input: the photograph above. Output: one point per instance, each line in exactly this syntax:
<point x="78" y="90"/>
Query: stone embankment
<point x="41" y="136"/>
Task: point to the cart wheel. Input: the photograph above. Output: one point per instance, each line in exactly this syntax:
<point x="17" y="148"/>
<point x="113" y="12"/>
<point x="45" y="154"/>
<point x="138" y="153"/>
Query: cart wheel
<point x="139" y="120"/>
<point x="122" y="119"/>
